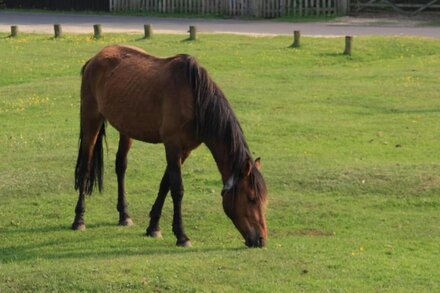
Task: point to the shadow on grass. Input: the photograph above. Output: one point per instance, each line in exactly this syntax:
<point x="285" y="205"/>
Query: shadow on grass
<point x="58" y="228"/>
<point x="83" y="245"/>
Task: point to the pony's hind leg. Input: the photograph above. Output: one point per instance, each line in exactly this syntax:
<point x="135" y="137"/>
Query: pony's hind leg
<point x="78" y="222"/>
<point x="153" y="229"/>
<point x="120" y="168"/>
<point x="89" y="165"/>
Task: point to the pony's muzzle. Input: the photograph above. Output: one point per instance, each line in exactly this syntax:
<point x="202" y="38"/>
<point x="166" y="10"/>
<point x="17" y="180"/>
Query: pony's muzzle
<point x="256" y="242"/>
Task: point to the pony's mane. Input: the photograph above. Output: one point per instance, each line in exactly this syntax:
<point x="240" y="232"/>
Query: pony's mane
<point x="215" y="120"/>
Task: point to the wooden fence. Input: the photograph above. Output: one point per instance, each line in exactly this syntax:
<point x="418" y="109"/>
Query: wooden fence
<point x="259" y="8"/>
<point x="402" y="6"/>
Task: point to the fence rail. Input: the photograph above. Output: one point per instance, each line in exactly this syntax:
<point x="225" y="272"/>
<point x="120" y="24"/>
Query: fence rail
<point x="402" y="6"/>
<point x="259" y="8"/>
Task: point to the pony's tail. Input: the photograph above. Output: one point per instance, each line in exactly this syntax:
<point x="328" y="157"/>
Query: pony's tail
<point x="89" y="174"/>
<point x="85" y="177"/>
<point x="83" y="69"/>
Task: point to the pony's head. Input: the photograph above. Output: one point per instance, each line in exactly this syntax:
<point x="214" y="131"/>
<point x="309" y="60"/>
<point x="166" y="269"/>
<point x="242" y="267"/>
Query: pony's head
<point x="244" y="202"/>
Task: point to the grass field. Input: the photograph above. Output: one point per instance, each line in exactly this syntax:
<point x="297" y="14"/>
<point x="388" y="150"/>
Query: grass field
<point x="350" y="152"/>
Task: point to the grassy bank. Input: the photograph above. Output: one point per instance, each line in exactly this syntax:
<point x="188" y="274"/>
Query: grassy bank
<point x="350" y="153"/>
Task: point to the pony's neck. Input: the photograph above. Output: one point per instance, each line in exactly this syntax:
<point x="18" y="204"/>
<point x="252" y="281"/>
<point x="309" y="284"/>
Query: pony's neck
<point x="220" y="152"/>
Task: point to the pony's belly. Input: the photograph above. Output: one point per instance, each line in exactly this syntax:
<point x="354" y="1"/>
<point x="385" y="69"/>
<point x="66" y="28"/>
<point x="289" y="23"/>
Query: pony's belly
<point x="139" y="125"/>
<point x="145" y="135"/>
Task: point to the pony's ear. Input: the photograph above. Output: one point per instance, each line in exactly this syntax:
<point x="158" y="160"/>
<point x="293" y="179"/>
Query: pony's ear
<point x="258" y="163"/>
<point x="246" y="171"/>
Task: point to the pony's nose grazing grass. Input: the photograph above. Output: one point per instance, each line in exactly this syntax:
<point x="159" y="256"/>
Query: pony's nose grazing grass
<point x="256" y="243"/>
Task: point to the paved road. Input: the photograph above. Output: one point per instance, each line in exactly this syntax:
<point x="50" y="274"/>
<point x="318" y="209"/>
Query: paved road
<point x="74" y="23"/>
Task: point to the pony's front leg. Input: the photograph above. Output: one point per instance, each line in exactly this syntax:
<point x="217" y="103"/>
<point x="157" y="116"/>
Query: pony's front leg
<point x="120" y="168"/>
<point x="174" y="160"/>
<point x="153" y="229"/>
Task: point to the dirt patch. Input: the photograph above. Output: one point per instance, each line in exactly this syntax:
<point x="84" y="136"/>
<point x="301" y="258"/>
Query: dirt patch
<point x="314" y="232"/>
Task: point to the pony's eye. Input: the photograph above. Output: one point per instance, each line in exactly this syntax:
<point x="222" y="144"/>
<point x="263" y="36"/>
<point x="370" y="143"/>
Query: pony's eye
<point x="252" y="199"/>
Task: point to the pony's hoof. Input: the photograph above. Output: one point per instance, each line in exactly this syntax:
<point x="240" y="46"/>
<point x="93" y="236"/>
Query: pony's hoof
<point x="78" y="226"/>
<point x="154" y="234"/>
<point x="126" y="222"/>
<point x="186" y="243"/>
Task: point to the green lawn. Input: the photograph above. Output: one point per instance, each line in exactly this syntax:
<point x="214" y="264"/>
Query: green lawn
<point x="350" y="148"/>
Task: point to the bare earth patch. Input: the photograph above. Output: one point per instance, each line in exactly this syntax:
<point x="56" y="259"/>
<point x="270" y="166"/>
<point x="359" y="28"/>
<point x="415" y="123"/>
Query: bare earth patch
<point x="314" y="232"/>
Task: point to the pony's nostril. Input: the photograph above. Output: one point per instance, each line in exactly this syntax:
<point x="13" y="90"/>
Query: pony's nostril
<point x="255" y="242"/>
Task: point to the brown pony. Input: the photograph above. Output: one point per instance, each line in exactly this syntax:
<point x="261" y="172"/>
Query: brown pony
<point x="171" y="101"/>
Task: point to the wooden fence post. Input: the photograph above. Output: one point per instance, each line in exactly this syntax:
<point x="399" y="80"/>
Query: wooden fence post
<point x="348" y="43"/>
<point x="253" y="8"/>
<point x="192" y="33"/>
<point x="342" y="7"/>
<point x="14" y="31"/>
<point x="148" y="31"/>
<point x="97" y="31"/>
<point x="296" y="39"/>
<point x="57" y="30"/>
